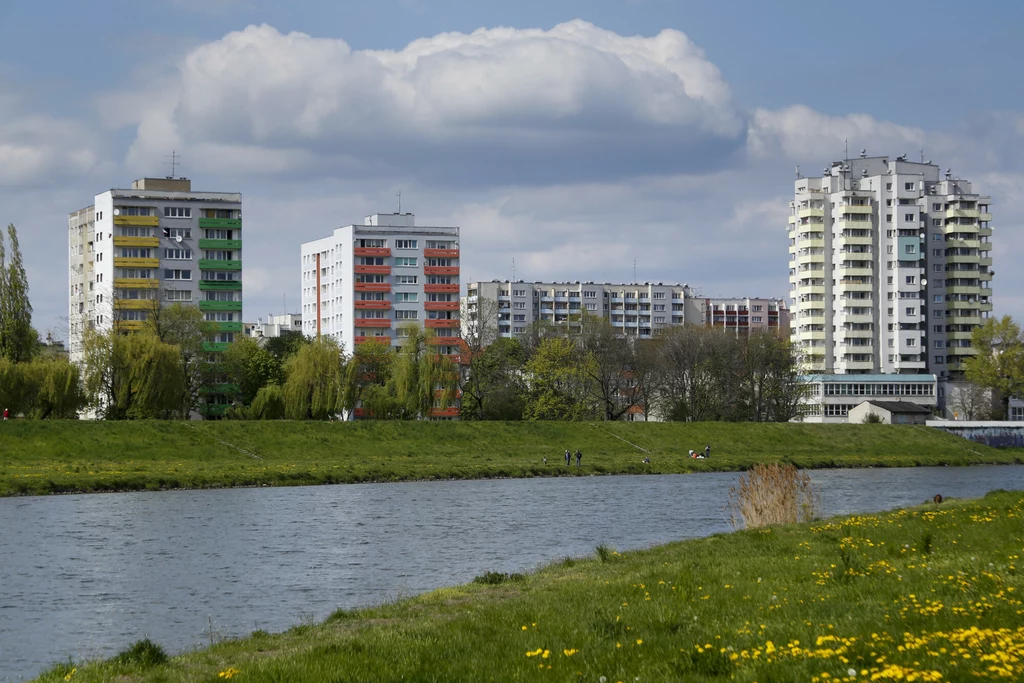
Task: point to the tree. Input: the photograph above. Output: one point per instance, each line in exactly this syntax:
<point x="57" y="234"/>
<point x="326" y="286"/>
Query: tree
<point x="268" y="404"/>
<point x="53" y="389"/>
<point x="771" y="385"/>
<point x="701" y="370"/>
<point x="492" y="384"/>
<point x="608" y="361"/>
<point x="18" y="341"/>
<point x="999" y="363"/>
<point x="250" y="368"/>
<point x="421" y="377"/>
<point x="314" y="387"/>
<point x="559" y="384"/>
<point x="286" y="345"/>
<point x="969" y="401"/>
<point x="132" y="376"/>
<point x="367" y="375"/>
<point x="183" y="326"/>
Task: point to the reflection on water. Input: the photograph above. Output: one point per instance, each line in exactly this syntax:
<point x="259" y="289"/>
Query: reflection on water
<point x="83" y="576"/>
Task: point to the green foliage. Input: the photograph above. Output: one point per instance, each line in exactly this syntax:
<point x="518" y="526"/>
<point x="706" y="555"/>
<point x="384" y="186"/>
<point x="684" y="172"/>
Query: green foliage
<point x="999" y="363"/>
<point x="315" y="385"/>
<point x="268" y="404"/>
<point x="492" y="385"/>
<point x="367" y="381"/>
<point x="18" y="341"/>
<point x="872" y="419"/>
<point x="559" y="383"/>
<point x="250" y="368"/>
<point x="184" y="327"/>
<point x="498" y="578"/>
<point x="132" y="376"/>
<point x="286" y="345"/>
<point x="53" y="389"/>
<point x="143" y="654"/>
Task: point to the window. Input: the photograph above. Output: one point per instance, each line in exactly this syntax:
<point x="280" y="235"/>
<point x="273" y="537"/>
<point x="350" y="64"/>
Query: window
<point x="911" y="279"/>
<point x="407" y="297"/>
<point x="909" y="217"/>
<point x="589" y="294"/>
<point x="888" y="218"/>
<point x="133" y="231"/>
<point x="888" y="249"/>
<point x="937" y="267"/>
<point x="911" y="248"/>
<point x="520" y="305"/>
<point x="936" y="252"/>
<point x="518" y="292"/>
<point x="659" y="318"/>
<point x="183" y="233"/>
<point x="220" y="317"/>
<point x="170" y="274"/>
<point x="936" y="223"/>
<point x="182" y="295"/>
<point x="405" y="261"/>
<point x="134" y="211"/>
<point x="222" y="275"/>
<point x="911" y="342"/>
<point x="519" y="317"/>
<point x="134" y="273"/>
<point x="908" y="186"/>
<point x="889" y="280"/>
<point x="590" y="307"/>
<point x="405" y="244"/>
<point x="911" y="310"/>
<point x="370" y="244"/>
<point x="939" y="360"/>
<point x="937" y="298"/>
<point x="406" y="315"/>
<point x="937" y="313"/>
<point x="133" y="315"/>
<point x="755" y="318"/>
<point x="939" y="344"/>
<point x="888" y="186"/>
<point x="659" y="295"/>
<point x="406" y="279"/>
<point x="217" y="234"/>
<point x="177" y="212"/>
<point x="134" y="252"/>
<point x="659" y="307"/>
<point x="178" y="254"/>
<point x="936" y="207"/>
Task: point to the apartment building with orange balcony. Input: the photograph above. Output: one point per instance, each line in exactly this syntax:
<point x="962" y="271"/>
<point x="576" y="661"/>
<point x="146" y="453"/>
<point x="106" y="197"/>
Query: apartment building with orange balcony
<point x="366" y="281"/>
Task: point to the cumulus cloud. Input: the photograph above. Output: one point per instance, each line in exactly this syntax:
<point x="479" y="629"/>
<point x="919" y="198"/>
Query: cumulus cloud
<point x="505" y="104"/>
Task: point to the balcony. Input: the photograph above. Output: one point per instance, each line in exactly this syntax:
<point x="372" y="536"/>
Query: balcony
<point x="215" y="347"/>
<point x="130" y="325"/>
<point x="150" y="242"/>
<point x="371" y="251"/>
<point x="855" y="208"/>
<point x="220" y="305"/>
<point x="220" y="285"/>
<point x="441" y="323"/>
<point x="441" y="253"/>
<point x="220" y="244"/>
<point x="440" y="270"/>
<point x="850" y="271"/>
<point x="126" y="262"/>
<point x="447" y="341"/>
<point x="217" y="264"/>
<point x="807" y="213"/>
<point x="227" y="326"/>
<point x="440" y="305"/>
<point x="962" y="213"/>
<point x="135" y="283"/>
<point x="371" y="322"/>
<point x="372" y="270"/>
<point x="231" y="223"/>
<point x="135" y="304"/>
<point x="857" y="364"/>
<point x="441" y="289"/>
<point x="372" y="305"/>
<point x="372" y="287"/>
<point x="444" y="412"/>
<point x="148" y="221"/>
<point x="362" y="339"/>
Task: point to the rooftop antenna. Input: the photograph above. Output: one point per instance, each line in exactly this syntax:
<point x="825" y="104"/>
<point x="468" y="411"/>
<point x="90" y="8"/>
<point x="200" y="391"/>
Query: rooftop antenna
<point x="174" y="162"/>
<point x="634" y="271"/>
<point x="922" y="156"/>
<point x="513" y="269"/>
<point x="798" y="176"/>
<point x="399" y="201"/>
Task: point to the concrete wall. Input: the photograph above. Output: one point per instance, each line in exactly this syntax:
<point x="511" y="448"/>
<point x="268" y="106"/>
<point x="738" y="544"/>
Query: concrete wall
<point x="995" y="434"/>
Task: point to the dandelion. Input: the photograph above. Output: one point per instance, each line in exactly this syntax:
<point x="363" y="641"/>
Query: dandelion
<point x="70" y="674"/>
<point x="570" y="652"/>
<point x="525" y="627"/>
<point x="230" y="672"/>
<point x="639" y="641"/>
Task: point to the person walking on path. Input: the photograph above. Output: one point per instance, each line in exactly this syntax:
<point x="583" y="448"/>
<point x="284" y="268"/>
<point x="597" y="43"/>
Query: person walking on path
<point x="707" y="451"/>
<point x="578" y="456"/>
<point x="568" y="457"/>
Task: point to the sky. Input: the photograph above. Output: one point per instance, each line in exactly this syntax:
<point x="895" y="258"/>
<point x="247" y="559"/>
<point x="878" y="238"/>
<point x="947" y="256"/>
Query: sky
<point x="575" y="137"/>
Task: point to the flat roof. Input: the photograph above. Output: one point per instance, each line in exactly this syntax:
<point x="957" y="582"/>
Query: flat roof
<point x="868" y="378"/>
<point x="900" y="406"/>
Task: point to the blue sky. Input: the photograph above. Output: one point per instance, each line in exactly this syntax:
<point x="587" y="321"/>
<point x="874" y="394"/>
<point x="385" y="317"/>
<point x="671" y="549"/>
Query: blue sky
<point x="572" y="136"/>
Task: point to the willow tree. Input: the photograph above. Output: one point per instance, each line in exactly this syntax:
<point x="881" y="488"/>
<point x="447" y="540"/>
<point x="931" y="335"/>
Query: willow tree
<point x="131" y="376"/>
<point x="422" y="378"/>
<point x="268" y="404"/>
<point x="368" y="381"/>
<point x="184" y="327"/>
<point x="316" y="377"/>
<point x="52" y="389"/>
<point x="18" y="341"/>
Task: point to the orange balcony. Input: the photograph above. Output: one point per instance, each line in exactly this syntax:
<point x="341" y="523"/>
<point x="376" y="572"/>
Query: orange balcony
<point x="373" y="270"/>
<point x="372" y="287"/>
<point x="360" y="339"/>
<point x="441" y="253"/>
<point x="438" y="270"/>
<point x="440" y="305"/>
<point x="439" y="323"/>
<point x="372" y="305"/>
<point x="371" y="322"/>
<point x="444" y="412"/>
<point x="371" y="251"/>
<point x="440" y="289"/>
<point x="438" y="393"/>
<point x="447" y="341"/>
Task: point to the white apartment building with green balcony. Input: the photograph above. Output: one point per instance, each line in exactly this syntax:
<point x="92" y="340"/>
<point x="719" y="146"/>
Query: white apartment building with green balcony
<point x="890" y="268"/>
<point x="153" y="244"/>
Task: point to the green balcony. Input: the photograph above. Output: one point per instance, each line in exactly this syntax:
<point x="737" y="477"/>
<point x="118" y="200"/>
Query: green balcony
<point x="215" y="347"/>
<point x="230" y="223"/>
<point x="227" y="388"/>
<point x="225" y="326"/>
<point x="214" y="409"/>
<point x="220" y="285"/>
<point x="220" y="305"/>
<point x="220" y="244"/>
<point x="214" y="264"/>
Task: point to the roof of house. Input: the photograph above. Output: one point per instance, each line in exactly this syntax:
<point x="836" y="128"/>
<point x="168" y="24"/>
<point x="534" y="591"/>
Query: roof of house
<point x="901" y="407"/>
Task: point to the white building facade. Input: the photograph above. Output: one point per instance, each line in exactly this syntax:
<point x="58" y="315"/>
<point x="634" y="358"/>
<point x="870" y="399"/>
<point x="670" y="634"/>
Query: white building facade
<point x="365" y="281"/>
<point x="830" y="398"/>
<point x="890" y="268"/>
<point x="274" y="326"/>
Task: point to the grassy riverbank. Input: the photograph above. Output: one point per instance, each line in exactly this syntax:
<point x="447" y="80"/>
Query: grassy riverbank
<point x="41" y="457"/>
<point x="930" y="593"/>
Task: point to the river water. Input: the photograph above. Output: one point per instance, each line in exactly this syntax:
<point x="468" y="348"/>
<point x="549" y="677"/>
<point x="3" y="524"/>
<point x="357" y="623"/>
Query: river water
<point x="83" y="576"/>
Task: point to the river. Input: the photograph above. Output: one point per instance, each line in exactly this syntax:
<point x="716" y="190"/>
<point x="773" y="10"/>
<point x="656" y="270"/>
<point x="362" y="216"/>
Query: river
<point x="83" y="576"/>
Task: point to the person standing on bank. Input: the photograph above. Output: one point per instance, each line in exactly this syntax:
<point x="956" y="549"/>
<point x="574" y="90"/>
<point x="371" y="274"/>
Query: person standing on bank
<point x="568" y="457"/>
<point x="578" y="456"/>
<point x="707" y="451"/>
<point x="7" y="413"/>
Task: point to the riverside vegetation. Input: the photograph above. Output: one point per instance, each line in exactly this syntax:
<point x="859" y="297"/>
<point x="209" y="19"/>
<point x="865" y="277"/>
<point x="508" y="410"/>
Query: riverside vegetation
<point x="931" y="593"/>
<point x="41" y="457"/>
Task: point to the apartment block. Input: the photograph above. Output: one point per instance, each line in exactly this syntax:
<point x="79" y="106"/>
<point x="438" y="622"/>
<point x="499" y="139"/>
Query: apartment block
<point x="274" y="326"/>
<point x="890" y="268"/>
<point x="155" y="243"/>
<point x="364" y="281"/>
<point x="742" y="315"/>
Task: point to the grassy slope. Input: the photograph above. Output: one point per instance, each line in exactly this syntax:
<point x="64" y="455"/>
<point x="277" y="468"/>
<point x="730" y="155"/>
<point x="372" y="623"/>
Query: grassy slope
<point x="912" y="594"/>
<point x="52" y="457"/>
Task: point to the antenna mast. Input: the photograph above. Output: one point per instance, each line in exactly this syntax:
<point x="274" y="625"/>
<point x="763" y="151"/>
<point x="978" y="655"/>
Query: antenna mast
<point x="399" y="201"/>
<point x="513" y="269"/>
<point x="634" y="271"/>
<point x="174" y="162"/>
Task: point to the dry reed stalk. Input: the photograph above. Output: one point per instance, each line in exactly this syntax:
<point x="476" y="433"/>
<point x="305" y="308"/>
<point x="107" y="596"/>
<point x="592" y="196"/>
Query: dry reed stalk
<point x="773" y="494"/>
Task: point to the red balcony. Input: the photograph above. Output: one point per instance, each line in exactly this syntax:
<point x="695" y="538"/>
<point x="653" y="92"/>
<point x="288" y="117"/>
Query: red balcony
<point x="372" y="305"/>
<point x="372" y="287"/>
<point x="438" y="393"/>
<point x="440" y="289"/>
<point x="440" y="305"/>
<point x="441" y="253"/>
<point x="439" y="323"/>
<point x="438" y="270"/>
<point x="444" y="412"/>
<point x="371" y="322"/>
<point x="371" y="251"/>
<point x="447" y="341"/>
<point x="373" y="270"/>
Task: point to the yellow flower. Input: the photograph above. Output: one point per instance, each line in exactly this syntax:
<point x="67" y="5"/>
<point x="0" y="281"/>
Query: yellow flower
<point x="70" y="674"/>
<point x="570" y="653"/>
<point x="534" y="653"/>
<point x="639" y="641"/>
<point x="228" y="673"/>
<point x="525" y="627"/>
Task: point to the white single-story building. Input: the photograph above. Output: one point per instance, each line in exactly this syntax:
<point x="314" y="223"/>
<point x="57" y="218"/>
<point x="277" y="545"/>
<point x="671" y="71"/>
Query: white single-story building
<point x="890" y="412"/>
<point x="829" y="398"/>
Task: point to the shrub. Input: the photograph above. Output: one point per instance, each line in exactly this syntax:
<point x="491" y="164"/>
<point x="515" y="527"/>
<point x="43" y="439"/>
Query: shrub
<point x="145" y="653"/>
<point x="604" y="553"/>
<point x="496" y="578"/>
<point x="872" y="419"/>
<point x="773" y="494"/>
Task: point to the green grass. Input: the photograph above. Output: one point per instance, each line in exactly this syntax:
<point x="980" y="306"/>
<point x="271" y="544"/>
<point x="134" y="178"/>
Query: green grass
<point x="40" y="457"/>
<point x="911" y="595"/>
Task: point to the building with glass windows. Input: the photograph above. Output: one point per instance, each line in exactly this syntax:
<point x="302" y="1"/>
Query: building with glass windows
<point x="829" y="398"/>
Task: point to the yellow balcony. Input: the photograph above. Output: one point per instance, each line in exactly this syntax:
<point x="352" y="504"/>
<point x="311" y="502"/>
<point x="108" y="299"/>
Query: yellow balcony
<point x="130" y="325"/>
<point x="126" y="262"/>
<point x="959" y="335"/>
<point x="850" y="318"/>
<point x="135" y="304"/>
<point x="963" y="289"/>
<point x="792" y="220"/>
<point x="852" y="208"/>
<point x="963" y="305"/>
<point x="135" y="283"/>
<point x="807" y="213"/>
<point x="150" y="221"/>
<point x="963" y="258"/>
<point x="985" y="261"/>
<point x="985" y="277"/>
<point x="964" y="320"/>
<point x="985" y="307"/>
<point x="849" y="334"/>
<point x="136" y="241"/>
<point x="963" y="244"/>
<point x="984" y="232"/>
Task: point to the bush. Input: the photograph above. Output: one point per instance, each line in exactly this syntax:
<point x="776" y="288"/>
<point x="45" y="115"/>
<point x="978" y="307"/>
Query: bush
<point x="773" y="494"/>
<point x="872" y="419"/>
<point x="145" y="653"/>
<point x="496" y="578"/>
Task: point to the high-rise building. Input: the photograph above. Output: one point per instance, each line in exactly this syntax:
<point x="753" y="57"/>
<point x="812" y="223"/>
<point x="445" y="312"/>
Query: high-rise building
<point x="890" y="268"/>
<point x="153" y="244"/>
<point x="364" y="281"/>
